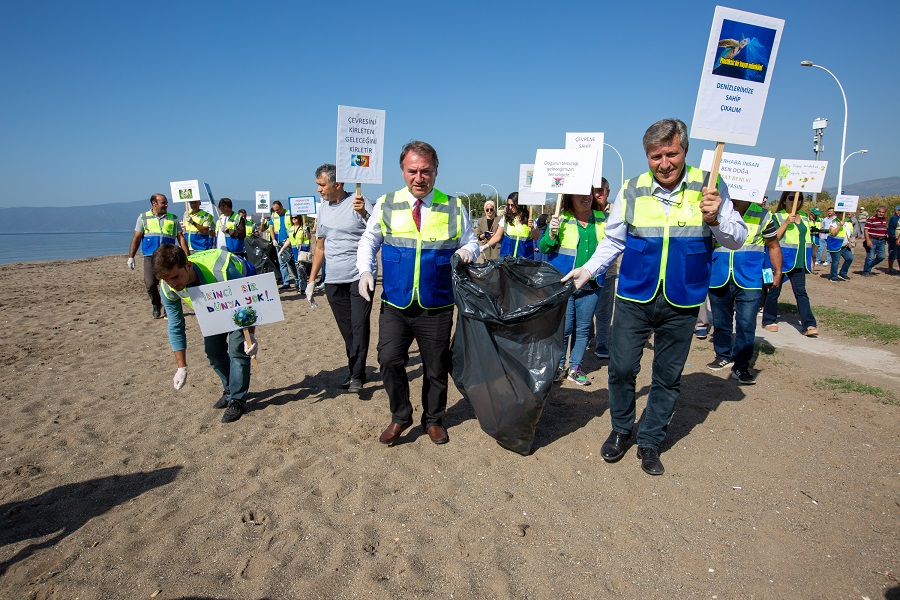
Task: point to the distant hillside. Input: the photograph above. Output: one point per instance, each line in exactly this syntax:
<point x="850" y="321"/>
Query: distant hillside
<point x="889" y="186"/>
<point x="120" y="216"/>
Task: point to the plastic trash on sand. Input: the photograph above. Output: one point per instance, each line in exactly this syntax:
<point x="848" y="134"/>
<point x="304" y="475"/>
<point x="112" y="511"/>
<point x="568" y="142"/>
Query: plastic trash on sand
<point x="508" y="343"/>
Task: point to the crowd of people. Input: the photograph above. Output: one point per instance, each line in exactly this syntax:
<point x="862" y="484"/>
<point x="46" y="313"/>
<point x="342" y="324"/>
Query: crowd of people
<point x="680" y="239"/>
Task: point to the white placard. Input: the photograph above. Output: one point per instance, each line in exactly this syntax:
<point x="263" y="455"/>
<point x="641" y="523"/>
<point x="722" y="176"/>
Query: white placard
<point x="526" y="196"/>
<point x="207" y="206"/>
<point x="236" y="304"/>
<point x="302" y="205"/>
<point x="845" y="203"/>
<point x="589" y="141"/>
<point x="262" y="205"/>
<point x="740" y="58"/>
<point x="360" y="145"/>
<point x="747" y="176"/>
<point x="563" y="171"/>
<point x="800" y="175"/>
<point x="185" y="191"/>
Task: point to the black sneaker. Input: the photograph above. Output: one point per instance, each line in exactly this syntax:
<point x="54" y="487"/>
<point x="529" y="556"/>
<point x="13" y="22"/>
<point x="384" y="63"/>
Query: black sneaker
<point x="233" y="412"/>
<point x="744" y="376"/>
<point x="355" y="386"/>
<point x="157" y="312"/>
<point x="222" y="402"/>
<point x="844" y="277"/>
<point x="719" y="363"/>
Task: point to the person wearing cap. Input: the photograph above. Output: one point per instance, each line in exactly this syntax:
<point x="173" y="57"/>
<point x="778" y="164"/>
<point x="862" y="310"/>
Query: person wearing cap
<point x="893" y="240"/>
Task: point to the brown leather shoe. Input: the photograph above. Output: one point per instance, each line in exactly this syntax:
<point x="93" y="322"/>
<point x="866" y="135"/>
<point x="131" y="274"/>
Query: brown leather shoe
<point x="393" y="432"/>
<point x="438" y="434"/>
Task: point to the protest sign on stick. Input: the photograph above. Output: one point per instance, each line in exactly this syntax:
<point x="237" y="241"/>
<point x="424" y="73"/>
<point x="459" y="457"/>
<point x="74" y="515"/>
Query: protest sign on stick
<point x="746" y="176"/>
<point x="185" y="191"/>
<point x="262" y="203"/>
<point x="589" y="141"/>
<point x="798" y="176"/>
<point x="846" y="204"/>
<point x="563" y="172"/>
<point x="737" y="71"/>
<point x="360" y="145"/>
<point x="305" y="206"/>
<point x="237" y="304"/>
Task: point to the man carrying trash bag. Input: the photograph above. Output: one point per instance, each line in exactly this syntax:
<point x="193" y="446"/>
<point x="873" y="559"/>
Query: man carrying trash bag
<point x="509" y="339"/>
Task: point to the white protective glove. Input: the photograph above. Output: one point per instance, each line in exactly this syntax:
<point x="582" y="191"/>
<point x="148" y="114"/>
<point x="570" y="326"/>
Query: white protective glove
<point x="465" y="255"/>
<point x="310" y="290"/>
<point x="367" y="285"/>
<point x="131" y="264"/>
<point x="553" y="226"/>
<point x="180" y="378"/>
<point x="579" y="277"/>
<point x="253" y="349"/>
<point x="483" y="247"/>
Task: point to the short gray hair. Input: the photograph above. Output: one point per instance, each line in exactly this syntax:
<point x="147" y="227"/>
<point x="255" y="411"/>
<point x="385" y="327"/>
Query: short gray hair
<point x="663" y="132"/>
<point x="491" y="202"/>
<point x="329" y="170"/>
<point x="422" y="149"/>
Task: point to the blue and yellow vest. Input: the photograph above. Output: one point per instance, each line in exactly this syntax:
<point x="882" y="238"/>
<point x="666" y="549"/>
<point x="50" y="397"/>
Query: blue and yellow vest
<point x="281" y="226"/>
<point x="517" y="240"/>
<point x="156" y="235"/>
<point x="299" y="237"/>
<point x="745" y="264"/>
<point x="563" y="257"/>
<point x="836" y="242"/>
<point x="233" y="244"/>
<point x="791" y="242"/>
<point x="212" y="266"/>
<point x="197" y="241"/>
<point x="671" y="251"/>
<point x="416" y="264"/>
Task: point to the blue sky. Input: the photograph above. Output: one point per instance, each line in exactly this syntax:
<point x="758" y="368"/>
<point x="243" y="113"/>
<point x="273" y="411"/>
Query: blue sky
<point x="108" y="102"/>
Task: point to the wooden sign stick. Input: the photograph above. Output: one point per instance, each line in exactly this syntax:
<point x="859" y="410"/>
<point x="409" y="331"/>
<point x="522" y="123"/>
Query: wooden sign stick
<point x="794" y="206"/>
<point x="558" y="204"/>
<point x="254" y="364"/>
<point x="717" y="159"/>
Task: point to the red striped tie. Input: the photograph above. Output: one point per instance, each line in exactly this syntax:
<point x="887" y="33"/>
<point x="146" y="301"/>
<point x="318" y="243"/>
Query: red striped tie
<point x="417" y="214"/>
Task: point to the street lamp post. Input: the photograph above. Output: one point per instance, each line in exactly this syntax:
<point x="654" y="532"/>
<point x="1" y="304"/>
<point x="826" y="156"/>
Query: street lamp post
<point x="468" y="202"/>
<point x="852" y="153"/>
<point x="496" y="192"/>
<point x="620" y="160"/>
<point x="809" y="63"/>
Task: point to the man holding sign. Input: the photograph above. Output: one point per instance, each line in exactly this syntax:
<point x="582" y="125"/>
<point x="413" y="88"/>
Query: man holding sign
<point x="228" y="353"/>
<point x="418" y="230"/>
<point x="663" y="224"/>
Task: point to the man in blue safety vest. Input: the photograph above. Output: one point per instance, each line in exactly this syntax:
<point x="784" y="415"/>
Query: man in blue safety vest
<point x="663" y="224"/>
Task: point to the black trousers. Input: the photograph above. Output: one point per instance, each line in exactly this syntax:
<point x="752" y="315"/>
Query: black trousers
<point x="430" y="328"/>
<point x="151" y="283"/>
<point x="352" y="314"/>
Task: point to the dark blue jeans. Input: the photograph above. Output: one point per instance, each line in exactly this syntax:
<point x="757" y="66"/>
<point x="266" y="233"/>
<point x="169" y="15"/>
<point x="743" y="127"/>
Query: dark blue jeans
<point x="797" y="278"/>
<point x="733" y="306"/>
<point x="847" y="255"/>
<point x="673" y="329"/>
<point x="874" y="256"/>
<point x="227" y="358"/>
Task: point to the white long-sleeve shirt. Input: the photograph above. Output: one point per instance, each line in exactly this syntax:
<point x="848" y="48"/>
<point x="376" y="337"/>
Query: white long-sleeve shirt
<point x="731" y="231"/>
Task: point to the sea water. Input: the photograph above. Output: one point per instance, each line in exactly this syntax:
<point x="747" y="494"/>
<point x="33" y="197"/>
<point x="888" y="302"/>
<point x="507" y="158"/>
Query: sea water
<point x="22" y="247"/>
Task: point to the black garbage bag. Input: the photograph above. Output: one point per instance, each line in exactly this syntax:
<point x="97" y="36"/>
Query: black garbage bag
<point x="258" y="254"/>
<point x="508" y="343"/>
